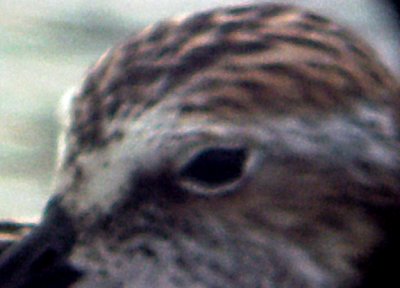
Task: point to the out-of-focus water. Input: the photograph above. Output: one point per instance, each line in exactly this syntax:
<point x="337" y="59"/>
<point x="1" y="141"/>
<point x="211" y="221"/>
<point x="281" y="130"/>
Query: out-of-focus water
<point x="45" y="47"/>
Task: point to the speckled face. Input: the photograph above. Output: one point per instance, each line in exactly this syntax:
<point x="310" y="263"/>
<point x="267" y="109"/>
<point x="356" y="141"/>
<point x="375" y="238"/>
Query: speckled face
<point x="249" y="146"/>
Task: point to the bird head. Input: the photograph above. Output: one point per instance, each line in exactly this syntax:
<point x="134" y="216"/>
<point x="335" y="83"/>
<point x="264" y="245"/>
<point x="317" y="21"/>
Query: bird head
<point x="247" y="146"/>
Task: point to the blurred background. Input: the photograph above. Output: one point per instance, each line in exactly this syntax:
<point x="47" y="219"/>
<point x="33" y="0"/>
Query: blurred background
<point x="46" y="46"/>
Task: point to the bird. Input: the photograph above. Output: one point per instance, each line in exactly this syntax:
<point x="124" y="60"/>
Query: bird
<point x="250" y="145"/>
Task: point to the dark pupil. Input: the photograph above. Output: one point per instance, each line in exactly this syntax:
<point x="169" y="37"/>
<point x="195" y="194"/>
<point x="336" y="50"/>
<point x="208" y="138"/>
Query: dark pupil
<point x="216" y="166"/>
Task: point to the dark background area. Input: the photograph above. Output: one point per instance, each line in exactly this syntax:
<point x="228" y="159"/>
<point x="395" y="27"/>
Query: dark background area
<point x="396" y="7"/>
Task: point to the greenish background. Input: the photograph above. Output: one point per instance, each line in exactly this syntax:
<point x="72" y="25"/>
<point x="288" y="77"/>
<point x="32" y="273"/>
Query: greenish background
<point x="46" y="45"/>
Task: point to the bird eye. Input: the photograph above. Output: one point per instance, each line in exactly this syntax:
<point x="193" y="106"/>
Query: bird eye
<point x="214" y="169"/>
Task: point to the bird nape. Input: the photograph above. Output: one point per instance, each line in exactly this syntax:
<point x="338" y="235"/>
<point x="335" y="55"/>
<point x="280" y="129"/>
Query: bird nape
<point x="245" y="146"/>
